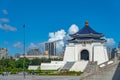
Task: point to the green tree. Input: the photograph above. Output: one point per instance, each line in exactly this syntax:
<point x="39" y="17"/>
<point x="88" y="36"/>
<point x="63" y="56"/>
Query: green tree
<point x="35" y="61"/>
<point x="22" y="62"/>
<point x="12" y="64"/>
<point x="19" y="63"/>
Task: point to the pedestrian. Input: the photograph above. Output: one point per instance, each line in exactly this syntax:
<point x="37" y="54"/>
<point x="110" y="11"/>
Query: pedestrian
<point x="24" y="74"/>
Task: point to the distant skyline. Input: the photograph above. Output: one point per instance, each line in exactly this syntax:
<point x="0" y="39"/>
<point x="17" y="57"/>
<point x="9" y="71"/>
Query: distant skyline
<point x="51" y="20"/>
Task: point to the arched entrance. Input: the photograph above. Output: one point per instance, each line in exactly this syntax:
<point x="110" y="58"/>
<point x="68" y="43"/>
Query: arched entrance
<point x="84" y="55"/>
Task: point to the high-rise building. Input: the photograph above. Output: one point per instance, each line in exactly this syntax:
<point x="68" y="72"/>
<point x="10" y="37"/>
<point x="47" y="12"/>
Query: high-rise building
<point x="34" y="52"/>
<point x="3" y="53"/>
<point x="50" y="48"/>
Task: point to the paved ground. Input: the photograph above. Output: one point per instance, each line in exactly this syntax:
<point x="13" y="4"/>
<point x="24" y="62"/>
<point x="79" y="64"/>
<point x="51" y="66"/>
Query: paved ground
<point x="33" y="77"/>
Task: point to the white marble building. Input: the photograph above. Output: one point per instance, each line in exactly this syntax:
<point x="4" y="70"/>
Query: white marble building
<point x="86" y="45"/>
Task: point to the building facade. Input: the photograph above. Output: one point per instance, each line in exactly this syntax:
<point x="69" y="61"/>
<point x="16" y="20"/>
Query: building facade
<point x="50" y="48"/>
<point x="87" y="45"/>
<point x="3" y="53"/>
<point x="34" y="52"/>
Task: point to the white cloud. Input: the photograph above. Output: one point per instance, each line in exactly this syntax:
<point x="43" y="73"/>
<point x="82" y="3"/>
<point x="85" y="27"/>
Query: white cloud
<point x="4" y="20"/>
<point x="33" y="46"/>
<point x="51" y="35"/>
<point x="7" y="27"/>
<point x="3" y="24"/>
<point x="4" y="11"/>
<point x="18" y="45"/>
<point x="59" y="35"/>
<point x="73" y="29"/>
<point x="110" y="42"/>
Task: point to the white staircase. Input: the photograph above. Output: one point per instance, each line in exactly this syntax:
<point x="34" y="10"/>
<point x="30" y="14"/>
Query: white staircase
<point x="67" y="66"/>
<point x="109" y="70"/>
<point x="79" y="66"/>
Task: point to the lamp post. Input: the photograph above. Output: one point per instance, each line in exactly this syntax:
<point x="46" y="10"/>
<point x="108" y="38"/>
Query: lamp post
<point x="24" y="52"/>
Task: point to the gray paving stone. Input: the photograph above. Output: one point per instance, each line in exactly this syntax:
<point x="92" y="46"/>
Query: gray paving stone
<point x="34" y="77"/>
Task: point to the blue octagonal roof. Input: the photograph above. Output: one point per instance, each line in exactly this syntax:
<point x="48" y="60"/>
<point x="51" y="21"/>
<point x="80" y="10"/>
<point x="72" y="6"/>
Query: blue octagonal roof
<point x="87" y="30"/>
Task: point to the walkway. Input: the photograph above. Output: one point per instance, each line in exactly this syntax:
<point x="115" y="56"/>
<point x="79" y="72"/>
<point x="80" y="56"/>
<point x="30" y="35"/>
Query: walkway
<point x="33" y="77"/>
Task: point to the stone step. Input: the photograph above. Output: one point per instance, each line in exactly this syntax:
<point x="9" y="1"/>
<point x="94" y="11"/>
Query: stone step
<point x="67" y="66"/>
<point x="109" y="72"/>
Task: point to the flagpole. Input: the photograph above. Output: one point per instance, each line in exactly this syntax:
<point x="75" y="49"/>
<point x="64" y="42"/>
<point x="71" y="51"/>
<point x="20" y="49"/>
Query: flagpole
<point x="24" y="27"/>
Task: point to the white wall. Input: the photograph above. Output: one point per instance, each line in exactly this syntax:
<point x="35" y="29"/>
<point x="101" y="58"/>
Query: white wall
<point x="73" y="52"/>
<point x="54" y="65"/>
<point x="100" y="54"/>
<point x="69" y="53"/>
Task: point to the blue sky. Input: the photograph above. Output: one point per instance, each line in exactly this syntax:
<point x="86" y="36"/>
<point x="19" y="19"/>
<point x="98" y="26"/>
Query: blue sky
<point x="44" y="16"/>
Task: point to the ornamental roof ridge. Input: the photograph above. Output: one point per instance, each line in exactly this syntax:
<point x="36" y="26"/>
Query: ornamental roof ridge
<point x="86" y="30"/>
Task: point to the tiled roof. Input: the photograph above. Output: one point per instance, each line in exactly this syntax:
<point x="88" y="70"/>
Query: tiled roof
<point x="87" y="30"/>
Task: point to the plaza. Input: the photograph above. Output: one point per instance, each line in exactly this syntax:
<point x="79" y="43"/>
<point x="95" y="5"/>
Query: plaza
<point x="35" y="77"/>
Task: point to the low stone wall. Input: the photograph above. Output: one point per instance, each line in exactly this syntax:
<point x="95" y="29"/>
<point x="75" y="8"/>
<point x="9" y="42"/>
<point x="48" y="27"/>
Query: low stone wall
<point x="54" y="65"/>
<point x="33" y="67"/>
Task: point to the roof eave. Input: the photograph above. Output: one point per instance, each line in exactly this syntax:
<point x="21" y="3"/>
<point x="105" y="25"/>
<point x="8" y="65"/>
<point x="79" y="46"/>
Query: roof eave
<point x="87" y="35"/>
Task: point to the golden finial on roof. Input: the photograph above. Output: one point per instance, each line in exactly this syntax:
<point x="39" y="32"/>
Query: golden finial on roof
<point x="86" y="23"/>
